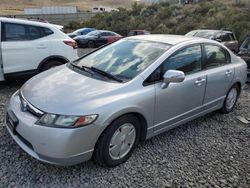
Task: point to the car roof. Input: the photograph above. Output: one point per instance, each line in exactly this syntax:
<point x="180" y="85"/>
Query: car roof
<point x="28" y="22"/>
<point x="169" y="39"/>
<point x="138" y="30"/>
<point x="214" y="30"/>
<point x="84" y="28"/>
<point x="106" y="31"/>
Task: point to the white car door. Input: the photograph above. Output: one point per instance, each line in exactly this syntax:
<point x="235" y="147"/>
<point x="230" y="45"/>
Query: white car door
<point x="23" y="47"/>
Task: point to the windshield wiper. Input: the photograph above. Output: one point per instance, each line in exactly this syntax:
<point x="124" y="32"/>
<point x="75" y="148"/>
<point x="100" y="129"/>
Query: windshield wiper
<point x="86" y="69"/>
<point x="106" y="74"/>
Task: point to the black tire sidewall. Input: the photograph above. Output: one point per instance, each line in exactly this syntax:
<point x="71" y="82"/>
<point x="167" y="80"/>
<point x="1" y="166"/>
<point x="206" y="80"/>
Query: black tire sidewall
<point x="109" y="132"/>
<point x="91" y="44"/>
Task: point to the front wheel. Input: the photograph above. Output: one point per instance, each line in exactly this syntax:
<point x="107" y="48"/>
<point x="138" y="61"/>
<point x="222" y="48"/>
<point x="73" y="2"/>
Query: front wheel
<point x="231" y="99"/>
<point x="118" y="141"/>
<point x="91" y="44"/>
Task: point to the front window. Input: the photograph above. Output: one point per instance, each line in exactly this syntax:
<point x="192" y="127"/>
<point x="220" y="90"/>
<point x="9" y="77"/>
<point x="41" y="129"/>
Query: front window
<point x="187" y="60"/>
<point x="94" y="33"/>
<point x="126" y="58"/>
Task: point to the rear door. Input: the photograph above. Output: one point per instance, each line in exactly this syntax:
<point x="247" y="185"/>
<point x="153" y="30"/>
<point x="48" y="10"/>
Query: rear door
<point x="1" y="62"/>
<point x="220" y="73"/>
<point x="102" y="39"/>
<point x="23" y="47"/>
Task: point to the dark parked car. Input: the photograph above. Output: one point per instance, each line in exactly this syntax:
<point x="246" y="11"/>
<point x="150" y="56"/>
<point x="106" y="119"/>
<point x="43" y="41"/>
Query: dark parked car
<point x="97" y="38"/>
<point x="79" y="32"/>
<point x="138" y="32"/>
<point x="245" y="54"/>
<point x="226" y="37"/>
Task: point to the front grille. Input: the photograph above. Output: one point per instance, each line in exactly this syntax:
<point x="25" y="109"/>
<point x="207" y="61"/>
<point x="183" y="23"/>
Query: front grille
<point x="26" y="106"/>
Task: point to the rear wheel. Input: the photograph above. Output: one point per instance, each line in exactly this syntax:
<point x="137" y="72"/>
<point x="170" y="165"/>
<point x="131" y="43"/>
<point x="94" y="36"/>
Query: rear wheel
<point x="51" y="64"/>
<point x="118" y="141"/>
<point x="91" y="44"/>
<point x="231" y="99"/>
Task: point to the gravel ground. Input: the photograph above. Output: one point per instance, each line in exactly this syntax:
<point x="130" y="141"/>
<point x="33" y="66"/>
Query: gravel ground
<point x="212" y="151"/>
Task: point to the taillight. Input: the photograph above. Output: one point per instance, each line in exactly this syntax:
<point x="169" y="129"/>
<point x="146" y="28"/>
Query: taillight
<point x="71" y="43"/>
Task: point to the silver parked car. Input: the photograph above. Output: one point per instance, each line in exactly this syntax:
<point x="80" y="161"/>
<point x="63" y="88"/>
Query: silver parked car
<point x="103" y="104"/>
<point x="225" y="36"/>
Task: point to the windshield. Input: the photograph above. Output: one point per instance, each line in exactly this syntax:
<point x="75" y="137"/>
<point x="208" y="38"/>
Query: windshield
<point x="246" y="44"/>
<point x="126" y="58"/>
<point x="77" y="31"/>
<point x="205" y="34"/>
<point x="191" y="33"/>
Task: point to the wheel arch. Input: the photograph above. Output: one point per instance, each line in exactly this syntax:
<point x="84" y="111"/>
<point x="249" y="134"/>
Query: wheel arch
<point x="51" y="58"/>
<point x="141" y="118"/>
<point x="239" y="85"/>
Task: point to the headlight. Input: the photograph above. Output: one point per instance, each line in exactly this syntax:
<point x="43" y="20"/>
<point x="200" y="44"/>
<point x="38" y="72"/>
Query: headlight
<point x="64" y="121"/>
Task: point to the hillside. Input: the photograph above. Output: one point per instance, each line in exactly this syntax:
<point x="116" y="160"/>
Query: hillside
<point x="175" y="18"/>
<point x="16" y="6"/>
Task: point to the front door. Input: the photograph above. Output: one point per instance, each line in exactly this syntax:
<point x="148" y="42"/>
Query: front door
<point x="179" y="101"/>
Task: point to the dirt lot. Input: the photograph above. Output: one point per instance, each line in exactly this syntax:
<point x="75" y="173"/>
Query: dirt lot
<point x="212" y="151"/>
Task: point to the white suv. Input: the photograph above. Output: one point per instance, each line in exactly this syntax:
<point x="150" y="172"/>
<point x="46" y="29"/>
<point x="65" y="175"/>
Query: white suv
<point x="29" y="47"/>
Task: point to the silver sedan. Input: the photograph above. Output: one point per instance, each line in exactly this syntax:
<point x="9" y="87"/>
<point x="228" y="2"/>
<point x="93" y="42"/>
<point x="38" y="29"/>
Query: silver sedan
<point x="100" y="106"/>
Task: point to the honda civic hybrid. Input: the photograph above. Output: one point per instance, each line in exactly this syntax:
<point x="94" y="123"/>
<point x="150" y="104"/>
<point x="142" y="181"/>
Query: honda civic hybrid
<point x="101" y="105"/>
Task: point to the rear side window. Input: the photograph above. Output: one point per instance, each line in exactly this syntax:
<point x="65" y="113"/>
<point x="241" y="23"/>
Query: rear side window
<point x="216" y="56"/>
<point x="131" y="33"/>
<point x="187" y="60"/>
<point x="14" y="32"/>
<point x="34" y="32"/>
<point x="47" y="31"/>
<point x="21" y="32"/>
<point x="112" y="34"/>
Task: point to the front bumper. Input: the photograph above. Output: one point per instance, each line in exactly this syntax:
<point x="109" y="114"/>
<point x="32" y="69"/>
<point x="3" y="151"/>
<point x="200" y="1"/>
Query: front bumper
<point x="51" y="145"/>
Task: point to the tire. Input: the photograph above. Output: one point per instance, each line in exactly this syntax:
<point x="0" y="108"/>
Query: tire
<point x="50" y="64"/>
<point x="91" y="44"/>
<point x="107" y="153"/>
<point x="229" y="104"/>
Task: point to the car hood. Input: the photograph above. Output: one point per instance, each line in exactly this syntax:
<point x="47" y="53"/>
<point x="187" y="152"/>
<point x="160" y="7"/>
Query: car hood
<point x="64" y="91"/>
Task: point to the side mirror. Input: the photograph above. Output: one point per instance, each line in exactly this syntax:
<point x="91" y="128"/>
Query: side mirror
<point x="172" y="76"/>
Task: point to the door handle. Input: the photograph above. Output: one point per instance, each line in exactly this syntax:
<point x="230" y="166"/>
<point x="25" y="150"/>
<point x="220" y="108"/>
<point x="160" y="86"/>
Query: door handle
<point x="228" y="73"/>
<point x="41" y="46"/>
<point x="200" y="81"/>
